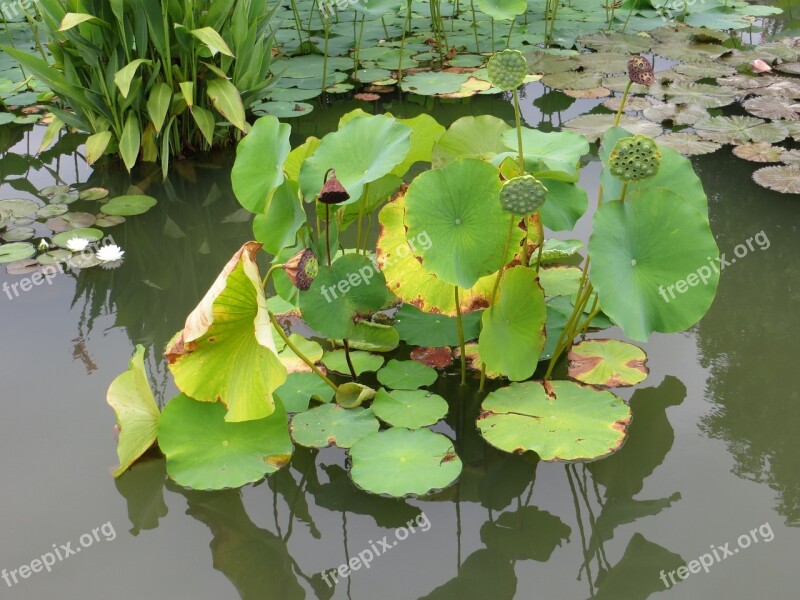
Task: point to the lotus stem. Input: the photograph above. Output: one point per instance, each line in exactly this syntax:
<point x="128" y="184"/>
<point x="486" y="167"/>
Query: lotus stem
<point x="361" y="204"/>
<point x="272" y="269"/>
<point x="406" y="24"/>
<point x="592" y="314"/>
<point x="327" y="232"/>
<point x="540" y="233"/>
<point x="510" y="31"/>
<point x="622" y="104"/>
<point x="327" y="28"/>
<point x="518" y="119"/>
<point x="475" y="27"/>
<point x="350" y="366"/>
<point x="461" y="343"/>
<point x="297" y="351"/>
<point x="358" y="46"/>
<point x="624" y="192"/>
<point x="630" y="12"/>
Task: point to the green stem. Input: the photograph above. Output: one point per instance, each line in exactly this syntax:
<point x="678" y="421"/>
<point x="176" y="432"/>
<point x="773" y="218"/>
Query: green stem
<point x="461" y="343"/>
<point x="624" y="192"/>
<point x="475" y="27"/>
<point x="327" y="232"/>
<point x="272" y="269"/>
<point x="622" y="104"/>
<point x="297" y="351"/>
<point x="540" y="232"/>
<point x="628" y="18"/>
<point x="403" y="44"/>
<point x="325" y="54"/>
<point x="350" y="366"/>
<point x="518" y="118"/>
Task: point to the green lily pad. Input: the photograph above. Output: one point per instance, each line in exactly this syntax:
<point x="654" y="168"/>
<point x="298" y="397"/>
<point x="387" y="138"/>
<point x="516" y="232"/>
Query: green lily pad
<point x="125" y="206"/>
<point x="58" y="256"/>
<point x="466" y="228"/>
<point x="432" y="83"/>
<point x="283" y="109"/>
<point x="470" y="137"/>
<point x="65" y="198"/>
<point x="16" y="251"/>
<point x="19" y="207"/>
<point x="362" y="361"/>
<point x="737" y="129"/>
<point x="293" y="363"/>
<point x="610" y="363"/>
<point x="351" y="395"/>
<point x="559" y="420"/>
<point x="20" y="234"/>
<point x="406" y="277"/>
<point x="109" y="221"/>
<point x="351" y="286"/>
<point x="136" y="410"/>
<point x="332" y="424"/>
<point x="95" y="193"/>
<point x="406" y="375"/>
<point x="429" y="329"/>
<point x="557" y="249"/>
<point x="401" y="462"/>
<point x="226" y="351"/>
<point x="620" y="43"/>
<point x="54" y="190"/>
<point x="513" y="331"/>
<point x="411" y="409"/>
<point x="643" y="248"/>
<point x="92" y="235"/>
<point x="300" y="388"/>
<point x="560" y="281"/>
<point x="51" y="210"/>
<point x="555" y="151"/>
<point x="594" y="126"/>
<point x="258" y="169"/>
<point x="374" y="337"/>
<point x="363" y="150"/>
<point x="79" y="220"/>
<point x="206" y="452"/>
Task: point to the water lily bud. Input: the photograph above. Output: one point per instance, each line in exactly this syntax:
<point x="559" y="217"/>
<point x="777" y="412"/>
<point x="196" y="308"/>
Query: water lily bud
<point x="333" y="191"/>
<point x="507" y="69"/>
<point x="302" y="268"/>
<point x="759" y="66"/>
<point x="641" y="71"/>
<point x="44" y="246"/>
<point x="522" y="195"/>
<point x="634" y="158"/>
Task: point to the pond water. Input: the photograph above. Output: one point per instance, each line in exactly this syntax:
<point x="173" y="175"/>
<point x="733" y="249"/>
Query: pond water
<point x="711" y="464"/>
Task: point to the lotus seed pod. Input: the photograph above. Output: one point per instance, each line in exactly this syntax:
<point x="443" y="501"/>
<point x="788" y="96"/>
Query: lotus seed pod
<point x="507" y="69"/>
<point x="523" y="195"/>
<point x="641" y="71"/>
<point x="301" y="269"/>
<point x="333" y="191"/>
<point x="634" y="158"/>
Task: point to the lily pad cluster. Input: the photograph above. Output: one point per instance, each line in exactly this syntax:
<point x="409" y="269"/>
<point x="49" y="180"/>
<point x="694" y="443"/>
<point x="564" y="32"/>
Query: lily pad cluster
<point x="455" y="280"/>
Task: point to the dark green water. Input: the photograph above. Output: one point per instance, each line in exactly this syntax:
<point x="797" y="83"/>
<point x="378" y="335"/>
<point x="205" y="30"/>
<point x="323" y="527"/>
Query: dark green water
<point x="712" y="453"/>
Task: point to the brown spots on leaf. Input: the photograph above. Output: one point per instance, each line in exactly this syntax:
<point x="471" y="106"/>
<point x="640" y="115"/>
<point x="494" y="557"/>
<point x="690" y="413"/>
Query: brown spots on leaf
<point x="331" y="440"/>
<point x="548" y="389"/>
<point x="438" y="358"/>
<point x="278" y="460"/>
<point x="449" y="457"/>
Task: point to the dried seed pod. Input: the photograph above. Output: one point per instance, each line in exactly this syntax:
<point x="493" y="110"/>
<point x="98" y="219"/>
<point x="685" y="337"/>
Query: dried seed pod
<point x="522" y="195"/>
<point x="634" y="158"/>
<point x="641" y="71"/>
<point x="333" y="191"/>
<point x="302" y="268"/>
<point x="507" y="69"/>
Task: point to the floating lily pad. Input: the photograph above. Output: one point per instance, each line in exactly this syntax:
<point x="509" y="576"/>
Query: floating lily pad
<point x="558" y="249"/>
<point x="620" y="43"/>
<point x="406" y="375"/>
<point x="409" y="408"/>
<point x="126" y="206"/>
<point x="701" y="94"/>
<point x="331" y="424"/>
<point x="769" y="107"/>
<point x="402" y="462"/>
<point x="282" y="109"/>
<point x="16" y="251"/>
<point x="300" y="388"/>
<point x="374" y="337"/>
<point x="761" y="152"/>
<point x="431" y="83"/>
<point x="136" y="410"/>
<point x="206" y="452"/>
<point x="19" y="207"/>
<point x="20" y="234"/>
<point x="54" y="190"/>
<point x="560" y="281"/>
<point x="559" y="420"/>
<point x="51" y="210"/>
<point x="95" y="193"/>
<point x="688" y="144"/>
<point x="740" y="130"/>
<point x="23" y="267"/>
<point x="513" y="329"/>
<point x="362" y="361"/>
<point x="79" y="220"/>
<point x="92" y="235"/>
<point x="783" y="89"/>
<point x="704" y="70"/>
<point x="594" y="126"/>
<point x="679" y="114"/>
<point x="610" y="363"/>
<point x="785" y="180"/>
<point x="438" y="358"/>
<point x="65" y="198"/>
<point x="59" y="256"/>
<point x="109" y="220"/>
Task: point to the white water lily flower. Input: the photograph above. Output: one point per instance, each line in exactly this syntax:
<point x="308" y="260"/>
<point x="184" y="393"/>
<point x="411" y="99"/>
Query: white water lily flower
<point x="43" y="245"/>
<point x="110" y="254"/>
<point x="77" y="244"/>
